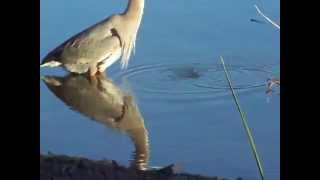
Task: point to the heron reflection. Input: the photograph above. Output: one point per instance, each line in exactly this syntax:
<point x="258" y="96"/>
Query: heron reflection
<point x="101" y="100"/>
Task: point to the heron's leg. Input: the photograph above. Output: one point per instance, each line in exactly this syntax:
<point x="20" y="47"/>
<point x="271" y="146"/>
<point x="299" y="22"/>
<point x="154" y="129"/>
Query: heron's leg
<point x="92" y="74"/>
<point x="93" y="70"/>
<point x="93" y="81"/>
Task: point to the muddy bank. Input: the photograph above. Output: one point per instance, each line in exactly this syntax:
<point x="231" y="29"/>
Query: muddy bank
<point x="60" y="167"/>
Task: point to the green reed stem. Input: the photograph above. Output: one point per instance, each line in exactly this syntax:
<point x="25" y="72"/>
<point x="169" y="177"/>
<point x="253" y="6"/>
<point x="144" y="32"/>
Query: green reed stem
<point x="244" y="122"/>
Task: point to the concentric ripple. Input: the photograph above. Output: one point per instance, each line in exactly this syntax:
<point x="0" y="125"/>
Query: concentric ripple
<point x="197" y="80"/>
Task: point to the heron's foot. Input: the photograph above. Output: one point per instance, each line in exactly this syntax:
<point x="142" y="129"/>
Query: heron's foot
<point x="92" y="74"/>
<point x="93" y="70"/>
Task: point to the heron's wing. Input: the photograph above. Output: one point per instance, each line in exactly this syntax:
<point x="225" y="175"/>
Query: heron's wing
<point x="95" y="33"/>
<point x="90" y="50"/>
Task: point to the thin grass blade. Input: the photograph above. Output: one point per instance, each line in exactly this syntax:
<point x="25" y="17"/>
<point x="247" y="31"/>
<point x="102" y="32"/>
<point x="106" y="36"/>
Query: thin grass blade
<point x="244" y="122"/>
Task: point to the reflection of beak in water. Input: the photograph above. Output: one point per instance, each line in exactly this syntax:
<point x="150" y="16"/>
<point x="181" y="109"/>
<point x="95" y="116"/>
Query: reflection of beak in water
<point x="102" y="101"/>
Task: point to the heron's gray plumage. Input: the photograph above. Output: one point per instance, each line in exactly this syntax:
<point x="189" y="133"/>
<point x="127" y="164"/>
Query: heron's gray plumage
<point x="99" y="46"/>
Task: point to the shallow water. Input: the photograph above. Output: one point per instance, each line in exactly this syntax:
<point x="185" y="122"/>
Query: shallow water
<point x="185" y="112"/>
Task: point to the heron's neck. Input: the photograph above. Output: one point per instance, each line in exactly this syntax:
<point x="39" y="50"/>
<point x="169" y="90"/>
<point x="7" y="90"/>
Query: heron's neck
<point x="134" y="9"/>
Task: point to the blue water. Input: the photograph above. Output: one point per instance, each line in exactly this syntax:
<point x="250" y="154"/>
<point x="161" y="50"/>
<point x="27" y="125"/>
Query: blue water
<point x="178" y="83"/>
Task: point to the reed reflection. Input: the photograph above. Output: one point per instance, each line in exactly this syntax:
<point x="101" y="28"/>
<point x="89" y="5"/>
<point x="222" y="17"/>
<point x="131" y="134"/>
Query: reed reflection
<point x="101" y="100"/>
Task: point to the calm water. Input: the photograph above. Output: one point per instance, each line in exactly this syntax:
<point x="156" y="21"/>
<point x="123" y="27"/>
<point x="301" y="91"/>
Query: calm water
<point x="178" y="105"/>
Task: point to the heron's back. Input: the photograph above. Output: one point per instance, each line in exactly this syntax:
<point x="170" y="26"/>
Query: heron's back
<point x="90" y="46"/>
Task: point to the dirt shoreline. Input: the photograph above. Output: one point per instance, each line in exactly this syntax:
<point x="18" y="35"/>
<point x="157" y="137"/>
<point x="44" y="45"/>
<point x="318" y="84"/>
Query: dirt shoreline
<point x="61" y="167"/>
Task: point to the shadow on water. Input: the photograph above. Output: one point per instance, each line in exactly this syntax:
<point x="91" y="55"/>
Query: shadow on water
<point x="101" y="100"/>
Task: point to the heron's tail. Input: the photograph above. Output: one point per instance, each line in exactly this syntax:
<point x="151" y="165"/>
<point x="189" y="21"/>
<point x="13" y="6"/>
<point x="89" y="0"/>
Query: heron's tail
<point x="50" y="64"/>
